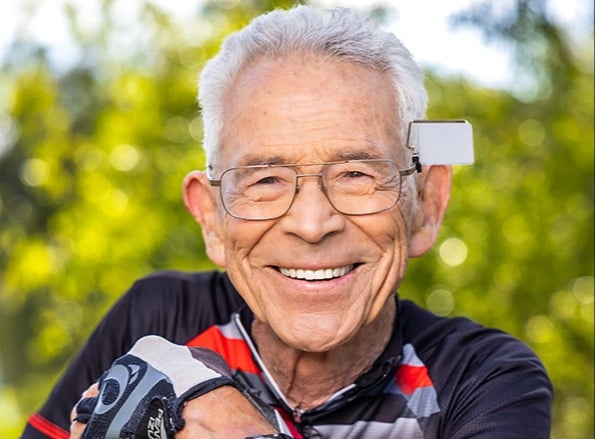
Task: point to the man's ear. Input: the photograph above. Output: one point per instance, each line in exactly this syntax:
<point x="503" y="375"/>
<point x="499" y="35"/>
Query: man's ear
<point x="433" y="195"/>
<point x="202" y="204"/>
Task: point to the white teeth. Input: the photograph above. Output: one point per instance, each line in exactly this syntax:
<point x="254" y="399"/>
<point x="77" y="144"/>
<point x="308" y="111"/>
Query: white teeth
<point x="321" y="274"/>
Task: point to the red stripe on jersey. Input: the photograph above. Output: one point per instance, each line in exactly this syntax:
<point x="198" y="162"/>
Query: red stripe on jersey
<point x="409" y="378"/>
<point x="289" y="423"/>
<point x="44" y="426"/>
<point x="235" y="352"/>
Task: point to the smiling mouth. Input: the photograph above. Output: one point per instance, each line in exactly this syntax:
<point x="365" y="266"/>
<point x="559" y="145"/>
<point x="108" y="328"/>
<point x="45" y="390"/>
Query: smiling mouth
<point x="320" y="274"/>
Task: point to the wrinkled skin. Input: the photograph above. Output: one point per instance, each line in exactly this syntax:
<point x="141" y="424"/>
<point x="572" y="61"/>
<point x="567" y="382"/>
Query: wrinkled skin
<point x="314" y="336"/>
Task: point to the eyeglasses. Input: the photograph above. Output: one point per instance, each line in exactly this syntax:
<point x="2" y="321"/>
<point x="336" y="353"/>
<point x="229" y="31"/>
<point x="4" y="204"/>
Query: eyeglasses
<point x="352" y="187"/>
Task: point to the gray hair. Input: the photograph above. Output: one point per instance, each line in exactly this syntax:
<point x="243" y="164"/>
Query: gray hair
<point x="336" y="33"/>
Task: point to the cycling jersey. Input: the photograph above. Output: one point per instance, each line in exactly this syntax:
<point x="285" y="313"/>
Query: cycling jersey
<point x="437" y="377"/>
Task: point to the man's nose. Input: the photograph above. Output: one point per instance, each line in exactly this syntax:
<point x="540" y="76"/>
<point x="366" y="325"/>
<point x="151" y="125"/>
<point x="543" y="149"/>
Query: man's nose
<point x="311" y="216"/>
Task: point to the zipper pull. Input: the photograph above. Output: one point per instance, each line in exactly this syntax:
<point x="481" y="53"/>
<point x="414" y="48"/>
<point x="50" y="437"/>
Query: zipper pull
<point x="297" y="415"/>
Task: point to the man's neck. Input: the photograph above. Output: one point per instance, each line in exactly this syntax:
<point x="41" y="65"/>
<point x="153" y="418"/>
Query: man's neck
<point x="307" y="379"/>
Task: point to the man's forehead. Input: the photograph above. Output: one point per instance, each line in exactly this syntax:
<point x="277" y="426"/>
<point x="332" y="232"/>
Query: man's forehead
<point x="279" y="113"/>
<point x="267" y="75"/>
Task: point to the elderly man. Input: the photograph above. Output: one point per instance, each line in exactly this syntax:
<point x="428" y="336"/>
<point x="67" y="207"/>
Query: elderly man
<point x="313" y="202"/>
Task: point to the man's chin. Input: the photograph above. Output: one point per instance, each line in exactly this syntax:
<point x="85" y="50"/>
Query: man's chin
<point x="314" y="340"/>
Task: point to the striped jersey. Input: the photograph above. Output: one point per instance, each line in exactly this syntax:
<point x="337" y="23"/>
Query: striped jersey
<point x="437" y="377"/>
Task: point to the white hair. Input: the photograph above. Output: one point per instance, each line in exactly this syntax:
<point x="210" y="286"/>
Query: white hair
<point x="331" y="33"/>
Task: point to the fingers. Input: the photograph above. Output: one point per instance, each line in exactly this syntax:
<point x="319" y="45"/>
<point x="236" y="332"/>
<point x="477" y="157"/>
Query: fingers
<point x="221" y="414"/>
<point x="77" y="428"/>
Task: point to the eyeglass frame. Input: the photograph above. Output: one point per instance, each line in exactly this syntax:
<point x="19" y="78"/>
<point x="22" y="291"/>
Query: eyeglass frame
<point x="415" y="167"/>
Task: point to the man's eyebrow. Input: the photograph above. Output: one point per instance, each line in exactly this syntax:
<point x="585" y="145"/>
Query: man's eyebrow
<point x="357" y="155"/>
<point x="253" y="159"/>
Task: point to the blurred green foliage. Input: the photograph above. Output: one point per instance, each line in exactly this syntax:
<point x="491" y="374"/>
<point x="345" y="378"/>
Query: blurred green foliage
<point x="92" y="156"/>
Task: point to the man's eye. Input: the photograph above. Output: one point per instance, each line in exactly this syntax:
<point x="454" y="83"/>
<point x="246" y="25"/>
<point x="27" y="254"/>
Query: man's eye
<point x="353" y="174"/>
<point x="267" y="180"/>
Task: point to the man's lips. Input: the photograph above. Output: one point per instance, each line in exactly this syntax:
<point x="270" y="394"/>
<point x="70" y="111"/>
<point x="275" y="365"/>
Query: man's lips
<point x="319" y="274"/>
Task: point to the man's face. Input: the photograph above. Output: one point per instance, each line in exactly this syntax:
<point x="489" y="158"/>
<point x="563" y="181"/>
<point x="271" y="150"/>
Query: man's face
<point x="297" y="110"/>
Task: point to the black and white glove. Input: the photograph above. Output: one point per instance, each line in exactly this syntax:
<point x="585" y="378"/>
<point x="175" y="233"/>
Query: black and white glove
<point x="143" y="393"/>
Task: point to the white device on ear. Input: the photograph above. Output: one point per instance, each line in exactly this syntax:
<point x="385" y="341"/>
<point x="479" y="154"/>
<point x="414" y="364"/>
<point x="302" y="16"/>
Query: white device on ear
<point x="441" y="142"/>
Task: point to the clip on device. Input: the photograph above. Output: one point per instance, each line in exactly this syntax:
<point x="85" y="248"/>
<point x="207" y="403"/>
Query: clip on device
<point x="440" y="142"/>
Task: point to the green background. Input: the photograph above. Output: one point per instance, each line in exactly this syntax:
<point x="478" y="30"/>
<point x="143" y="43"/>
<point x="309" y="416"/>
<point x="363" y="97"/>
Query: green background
<point x="92" y="156"/>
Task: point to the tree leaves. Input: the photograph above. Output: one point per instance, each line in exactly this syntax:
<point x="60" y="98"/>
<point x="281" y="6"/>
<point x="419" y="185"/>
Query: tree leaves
<point x="90" y="193"/>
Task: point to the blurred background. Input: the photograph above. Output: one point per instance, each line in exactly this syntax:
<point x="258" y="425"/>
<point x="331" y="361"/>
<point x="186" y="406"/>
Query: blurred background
<point x="99" y="125"/>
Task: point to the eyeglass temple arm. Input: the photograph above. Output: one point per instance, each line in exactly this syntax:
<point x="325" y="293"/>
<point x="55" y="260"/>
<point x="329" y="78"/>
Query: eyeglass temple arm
<point x="415" y="167"/>
<point x="212" y="181"/>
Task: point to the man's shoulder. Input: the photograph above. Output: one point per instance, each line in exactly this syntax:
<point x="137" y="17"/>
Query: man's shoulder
<point x="463" y="361"/>
<point x="175" y="282"/>
<point x="427" y="332"/>
<point x="180" y="278"/>
<point x="167" y="296"/>
<point x="458" y="346"/>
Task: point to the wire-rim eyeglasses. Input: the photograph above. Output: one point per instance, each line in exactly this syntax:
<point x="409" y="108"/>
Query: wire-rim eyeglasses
<point x="352" y="187"/>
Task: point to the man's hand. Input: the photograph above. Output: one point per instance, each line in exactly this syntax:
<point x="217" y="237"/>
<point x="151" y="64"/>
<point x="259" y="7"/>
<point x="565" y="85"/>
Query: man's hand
<point x="159" y="388"/>
<point x="77" y="428"/>
<point x="221" y="414"/>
